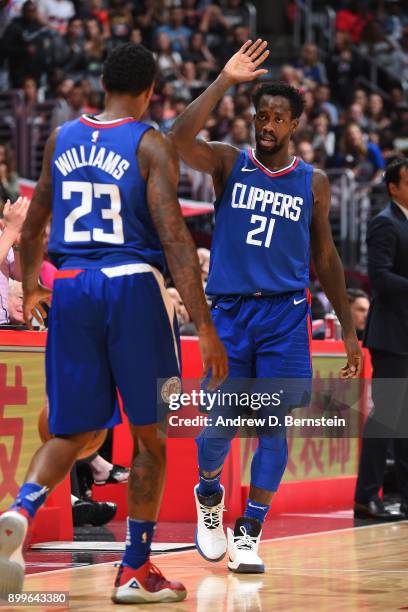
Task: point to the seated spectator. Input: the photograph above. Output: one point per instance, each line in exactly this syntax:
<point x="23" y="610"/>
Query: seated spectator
<point x="30" y="94"/>
<point x="169" y="62"/>
<point x="71" y="108"/>
<point x="204" y="260"/>
<point x="57" y="13"/>
<point x="94" y="51"/>
<point x="400" y="128"/>
<point x="186" y="326"/>
<point x="199" y="53"/>
<point x="355" y="114"/>
<point x="28" y="45"/>
<point x="305" y="151"/>
<point x="402" y="57"/>
<point x="47" y="271"/>
<point x="238" y="135"/>
<point x="188" y="86"/>
<point x="360" y="97"/>
<point x="322" y="96"/>
<point x="178" y="33"/>
<point x="154" y="115"/>
<point x="224" y="116"/>
<point x="15" y="303"/>
<point x="9" y="188"/>
<point x="359" y="306"/>
<point x="120" y="22"/>
<point x="98" y="12"/>
<point x="148" y="14"/>
<point x="380" y="48"/>
<point x="340" y="67"/>
<point x="324" y="138"/>
<point x="292" y="76"/>
<point x="377" y="118"/>
<point x="192" y="14"/>
<point x="313" y="69"/>
<point x="215" y="28"/>
<point x="75" y="59"/>
<point x="305" y="120"/>
<point x="353" y="19"/>
<point x="13" y="219"/>
<point x="363" y="158"/>
<point x="235" y="13"/>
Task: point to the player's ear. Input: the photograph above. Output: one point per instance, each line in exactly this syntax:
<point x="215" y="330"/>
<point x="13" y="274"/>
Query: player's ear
<point x="295" y="124"/>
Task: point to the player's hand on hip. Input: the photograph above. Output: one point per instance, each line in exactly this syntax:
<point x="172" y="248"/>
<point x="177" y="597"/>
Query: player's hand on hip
<point x="244" y="65"/>
<point x="32" y="305"/>
<point x="355" y="359"/>
<point x="214" y="356"/>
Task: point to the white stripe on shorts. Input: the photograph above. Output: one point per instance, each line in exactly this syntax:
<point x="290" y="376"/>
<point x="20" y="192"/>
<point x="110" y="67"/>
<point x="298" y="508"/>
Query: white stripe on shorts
<point x="139" y="268"/>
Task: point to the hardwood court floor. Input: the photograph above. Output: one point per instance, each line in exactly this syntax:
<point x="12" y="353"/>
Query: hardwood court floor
<point x="345" y="570"/>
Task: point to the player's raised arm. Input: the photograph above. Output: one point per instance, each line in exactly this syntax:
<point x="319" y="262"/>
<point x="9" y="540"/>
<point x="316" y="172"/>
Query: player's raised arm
<point x="157" y="157"/>
<point x="32" y="237"/>
<point x="330" y="271"/>
<point x="201" y="155"/>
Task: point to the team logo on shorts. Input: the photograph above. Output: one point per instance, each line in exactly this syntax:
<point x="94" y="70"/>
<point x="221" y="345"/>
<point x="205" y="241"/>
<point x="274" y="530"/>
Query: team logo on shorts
<point x="170" y="386"/>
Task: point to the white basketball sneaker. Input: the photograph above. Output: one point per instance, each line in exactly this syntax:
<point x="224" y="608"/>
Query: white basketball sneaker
<point x="243" y="545"/>
<point x="13" y="529"/>
<point x="210" y="537"/>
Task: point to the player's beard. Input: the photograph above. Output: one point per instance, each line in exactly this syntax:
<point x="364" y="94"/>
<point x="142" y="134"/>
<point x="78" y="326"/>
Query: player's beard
<point x="277" y="146"/>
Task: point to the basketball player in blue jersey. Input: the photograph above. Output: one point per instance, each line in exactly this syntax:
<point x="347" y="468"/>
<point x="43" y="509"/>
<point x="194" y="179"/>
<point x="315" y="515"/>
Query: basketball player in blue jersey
<point x="271" y="212"/>
<point x="110" y="184"/>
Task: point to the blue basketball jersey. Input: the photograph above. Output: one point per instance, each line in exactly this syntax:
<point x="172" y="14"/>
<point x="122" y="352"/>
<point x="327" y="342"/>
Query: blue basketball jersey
<point x="261" y="240"/>
<point x="100" y="215"/>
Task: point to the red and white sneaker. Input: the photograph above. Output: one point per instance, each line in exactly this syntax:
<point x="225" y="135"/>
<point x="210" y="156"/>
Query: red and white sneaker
<point x="145" y="585"/>
<point x="13" y="529"/>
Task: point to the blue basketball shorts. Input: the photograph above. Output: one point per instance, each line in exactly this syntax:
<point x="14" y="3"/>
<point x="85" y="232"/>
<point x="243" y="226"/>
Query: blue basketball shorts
<point x="110" y="330"/>
<point x="268" y="338"/>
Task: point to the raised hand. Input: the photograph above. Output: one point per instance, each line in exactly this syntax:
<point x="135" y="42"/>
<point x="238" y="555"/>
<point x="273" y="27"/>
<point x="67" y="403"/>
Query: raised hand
<point x="243" y="66"/>
<point x="15" y="214"/>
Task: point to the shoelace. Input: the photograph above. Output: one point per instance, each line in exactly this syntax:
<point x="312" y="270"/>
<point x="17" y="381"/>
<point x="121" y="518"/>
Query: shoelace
<point x="212" y="516"/>
<point x="245" y="542"/>
<point x="154" y="574"/>
<point x="153" y="569"/>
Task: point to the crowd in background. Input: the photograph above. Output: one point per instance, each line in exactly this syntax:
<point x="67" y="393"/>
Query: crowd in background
<point x="54" y="50"/>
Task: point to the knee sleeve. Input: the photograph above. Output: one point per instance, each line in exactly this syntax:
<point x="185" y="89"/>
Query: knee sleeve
<point x="269" y="462"/>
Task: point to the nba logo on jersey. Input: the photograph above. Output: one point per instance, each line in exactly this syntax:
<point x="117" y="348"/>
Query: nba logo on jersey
<point x="95" y="136"/>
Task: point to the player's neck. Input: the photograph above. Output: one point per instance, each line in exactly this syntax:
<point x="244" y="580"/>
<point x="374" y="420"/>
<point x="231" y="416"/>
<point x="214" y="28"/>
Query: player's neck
<point x="274" y="161"/>
<point x="119" y="107"/>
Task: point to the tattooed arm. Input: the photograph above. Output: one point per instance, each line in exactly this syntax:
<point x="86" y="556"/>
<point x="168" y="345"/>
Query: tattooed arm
<point x="32" y="238"/>
<point x="159" y="166"/>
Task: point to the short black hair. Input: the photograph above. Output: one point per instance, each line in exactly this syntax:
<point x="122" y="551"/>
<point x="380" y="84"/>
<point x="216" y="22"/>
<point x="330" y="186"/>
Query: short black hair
<point x="280" y="88"/>
<point x="355" y="294"/>
<point x="129" y="69"/>
<point x="393" y="171"/>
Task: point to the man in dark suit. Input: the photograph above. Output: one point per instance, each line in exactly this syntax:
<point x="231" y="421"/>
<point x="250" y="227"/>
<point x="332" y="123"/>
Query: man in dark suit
<point x="386" y="337"/>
